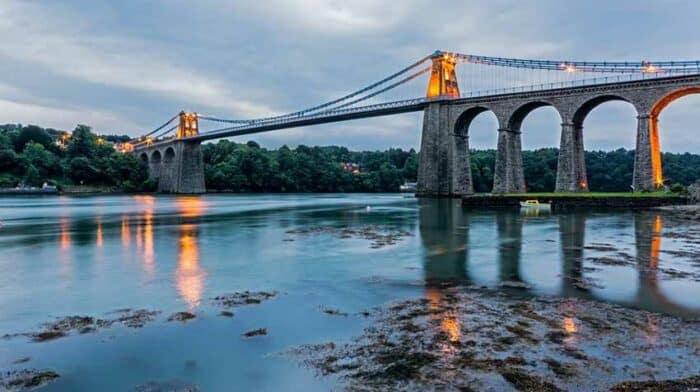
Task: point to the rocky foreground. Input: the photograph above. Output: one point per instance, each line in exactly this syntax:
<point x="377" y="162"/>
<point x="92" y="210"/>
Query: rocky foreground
<point x="471" y="340"/>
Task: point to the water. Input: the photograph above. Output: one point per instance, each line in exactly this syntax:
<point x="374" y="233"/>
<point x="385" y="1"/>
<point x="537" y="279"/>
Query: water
<point x="63" y="256"/>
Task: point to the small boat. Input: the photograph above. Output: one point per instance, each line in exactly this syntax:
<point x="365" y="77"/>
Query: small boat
<point x="408" y="187"/>
<point x="535" y="205"/>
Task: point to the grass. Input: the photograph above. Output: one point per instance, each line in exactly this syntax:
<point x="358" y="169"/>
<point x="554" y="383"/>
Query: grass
<point x="592" y="194"/>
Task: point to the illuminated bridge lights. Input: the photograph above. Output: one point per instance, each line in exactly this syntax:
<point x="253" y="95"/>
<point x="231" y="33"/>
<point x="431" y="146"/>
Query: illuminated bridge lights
<point x="443" y="81"/>
<point x="442" y="84"/>
<point x="188" y="126"/>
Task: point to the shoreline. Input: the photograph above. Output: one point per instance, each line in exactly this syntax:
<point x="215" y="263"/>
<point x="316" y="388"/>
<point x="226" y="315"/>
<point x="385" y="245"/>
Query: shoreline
<point x="573" y="201"/>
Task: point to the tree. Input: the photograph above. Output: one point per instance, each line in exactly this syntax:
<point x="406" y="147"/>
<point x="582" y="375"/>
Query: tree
<point x="36" y="156"/>
<point x="32" y="133"/>
<point x="9" y="160"/>
<point x="33" y="177"/>
<point x="81" y="171"/>
<point x="83" y="143"/>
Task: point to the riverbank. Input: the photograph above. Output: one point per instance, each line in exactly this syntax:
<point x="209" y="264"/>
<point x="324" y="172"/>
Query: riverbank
<point x="578" y="200"/>
<point x="438" y="295"/>
<point x="466" y="338"/>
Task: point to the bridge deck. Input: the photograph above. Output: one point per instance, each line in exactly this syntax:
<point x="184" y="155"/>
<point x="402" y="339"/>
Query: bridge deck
<point x="415" y="105"/>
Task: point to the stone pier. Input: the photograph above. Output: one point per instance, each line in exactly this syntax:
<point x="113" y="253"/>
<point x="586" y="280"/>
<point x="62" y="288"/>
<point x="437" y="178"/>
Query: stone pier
<point x="647" y="157"/>
<point x="176" y="165"/>
<point x="508" y="176"/>
<point x="571" y="167"/>
<point x="444" y="169"/>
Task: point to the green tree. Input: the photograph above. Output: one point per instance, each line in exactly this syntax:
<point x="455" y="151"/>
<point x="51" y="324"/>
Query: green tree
<point x="32" y="133"/>
<point x="33" y="177"/>
<point x="83" y="143"/>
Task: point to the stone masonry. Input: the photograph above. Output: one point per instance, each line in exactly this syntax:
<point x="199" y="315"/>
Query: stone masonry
<point x="177" y="165"/>
<point x="444" y="168"/>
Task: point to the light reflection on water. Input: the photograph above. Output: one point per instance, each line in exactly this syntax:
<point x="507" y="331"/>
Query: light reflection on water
<point x="173" y="253"/>
<point x="546" y="254"/>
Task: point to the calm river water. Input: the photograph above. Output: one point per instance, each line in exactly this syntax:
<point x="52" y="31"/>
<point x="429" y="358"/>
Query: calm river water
<point x="62" y="256"/>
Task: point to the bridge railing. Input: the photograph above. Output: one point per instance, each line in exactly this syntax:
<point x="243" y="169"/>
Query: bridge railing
<point x="566" y="84"/>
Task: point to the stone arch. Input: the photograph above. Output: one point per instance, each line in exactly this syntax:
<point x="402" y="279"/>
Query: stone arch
<point x="517" y="181"/>
<point x="156" y="157"/>
<point x="666" y="100"/>
<point x="650" y="144"/>
<point x="516" y="119"/>
<point x="584" y="109"/>
<point x="144" y="157"/>
<point x="462" y="173"/>
<point x="169" y="155"/>
<point x="466" y="118"/>
<point x="571" y="166"/>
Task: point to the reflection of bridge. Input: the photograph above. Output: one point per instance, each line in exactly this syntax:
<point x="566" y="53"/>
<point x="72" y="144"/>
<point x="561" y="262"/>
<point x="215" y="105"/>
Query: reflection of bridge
<point x="510" y="88"/>
<point x="445" y="231"/>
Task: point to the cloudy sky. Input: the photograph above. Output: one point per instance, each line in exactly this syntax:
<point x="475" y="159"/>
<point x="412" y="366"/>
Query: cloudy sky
<point x="127" y="66"/>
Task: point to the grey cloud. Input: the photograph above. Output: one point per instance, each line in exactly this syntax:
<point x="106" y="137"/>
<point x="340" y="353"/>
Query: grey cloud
<point x="127" y="66"/>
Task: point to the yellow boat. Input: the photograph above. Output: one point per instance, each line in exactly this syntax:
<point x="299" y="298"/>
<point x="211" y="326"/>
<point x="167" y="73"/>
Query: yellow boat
<point x="535" y="205"/>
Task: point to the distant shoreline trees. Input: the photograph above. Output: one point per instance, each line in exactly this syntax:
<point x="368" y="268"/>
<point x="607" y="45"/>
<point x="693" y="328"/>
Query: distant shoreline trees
<point x="34" y="155"/>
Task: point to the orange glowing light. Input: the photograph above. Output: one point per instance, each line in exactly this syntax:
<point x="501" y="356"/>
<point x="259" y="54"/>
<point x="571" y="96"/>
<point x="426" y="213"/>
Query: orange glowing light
<point x="443" y="81"/>
<point x="126" y="232"/>
<point x="450" y="325"/>
<point x="449" y="322"/>
<point x="569" y="325"/>
<point x="190" y="207"/>
<point x="147" y="232"/>
<point x="656" y="110"/>
<point x="570" y="68"/>
<point x="98" y="239"/>
<point x="188" y="125"/>
<point x="189" y="276"/>
<point x="65" y="234"/>
<point x="655" y="248"/>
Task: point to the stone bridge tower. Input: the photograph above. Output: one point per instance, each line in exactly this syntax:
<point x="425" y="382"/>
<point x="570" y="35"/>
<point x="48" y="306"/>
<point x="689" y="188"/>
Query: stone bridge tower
<point x="177" y="164"/>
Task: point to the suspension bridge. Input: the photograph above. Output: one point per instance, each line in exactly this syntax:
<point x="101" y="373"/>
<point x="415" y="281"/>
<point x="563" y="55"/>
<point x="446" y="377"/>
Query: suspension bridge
<point x="459" y="87"/>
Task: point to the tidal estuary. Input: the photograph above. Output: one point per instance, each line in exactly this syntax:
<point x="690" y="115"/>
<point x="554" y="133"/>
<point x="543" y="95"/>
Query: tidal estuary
<point x="333" y="291"/>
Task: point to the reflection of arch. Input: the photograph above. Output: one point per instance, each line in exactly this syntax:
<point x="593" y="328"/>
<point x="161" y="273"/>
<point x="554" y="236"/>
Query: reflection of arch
<point x="647" y="233"/>
<point x="465" y="119"/>
<point x="516" y="119"/>
<point x="169" y="155"/>
<point x="588" y="106"/>
<point x="155" y="157"/>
